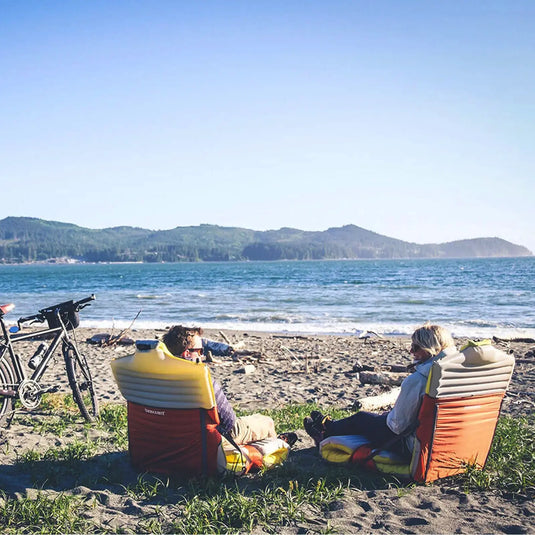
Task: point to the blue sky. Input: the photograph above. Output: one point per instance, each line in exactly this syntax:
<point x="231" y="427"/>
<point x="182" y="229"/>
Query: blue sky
<point x="412" y="119"/>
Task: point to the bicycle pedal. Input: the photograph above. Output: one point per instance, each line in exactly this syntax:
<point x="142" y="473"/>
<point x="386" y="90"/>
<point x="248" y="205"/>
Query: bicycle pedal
<point x="49" y="390"/>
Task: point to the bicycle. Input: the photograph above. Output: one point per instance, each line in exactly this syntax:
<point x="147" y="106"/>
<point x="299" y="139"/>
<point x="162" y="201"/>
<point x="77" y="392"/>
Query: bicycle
<point x="17" y="384"/>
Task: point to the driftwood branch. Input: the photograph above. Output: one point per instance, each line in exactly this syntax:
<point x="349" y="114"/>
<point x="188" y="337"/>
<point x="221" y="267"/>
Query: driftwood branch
<point x="224" y="336"/>
<point x="290" y="352"/>
<point x="114" y="340"/>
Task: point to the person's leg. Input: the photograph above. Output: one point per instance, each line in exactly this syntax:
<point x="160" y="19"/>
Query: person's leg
<point x="252" y="428"/>
<point x="372" y="426"/>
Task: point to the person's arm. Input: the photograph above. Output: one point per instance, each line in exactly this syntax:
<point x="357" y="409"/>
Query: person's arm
<point x="217" y="349"/>
<point x="227" y="417"/>
<point x="404" y="414"/>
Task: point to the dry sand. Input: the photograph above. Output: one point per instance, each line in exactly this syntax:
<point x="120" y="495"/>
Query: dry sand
<point x="290" y="369"/>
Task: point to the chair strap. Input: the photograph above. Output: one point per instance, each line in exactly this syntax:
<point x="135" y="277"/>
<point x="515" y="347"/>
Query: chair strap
<point x="242" y="454"/>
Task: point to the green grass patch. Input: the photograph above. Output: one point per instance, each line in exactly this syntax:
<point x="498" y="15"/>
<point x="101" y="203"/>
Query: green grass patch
<point x="113" y="420"/>
<point x="59" y="466"/>
<point x="70" y="454"/>
<point x="148" y="488"/>
<point x="60" y="514"/>
<point x="63" y="403"/>
<point x="62" y="415"/>
<point x="230" y="509"/>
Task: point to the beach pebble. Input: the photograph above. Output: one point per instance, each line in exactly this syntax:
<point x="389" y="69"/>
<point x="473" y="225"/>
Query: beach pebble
<point x="247" y="369"/>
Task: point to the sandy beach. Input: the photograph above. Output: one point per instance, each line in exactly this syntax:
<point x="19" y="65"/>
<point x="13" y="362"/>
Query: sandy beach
<point x="297" y="369"/>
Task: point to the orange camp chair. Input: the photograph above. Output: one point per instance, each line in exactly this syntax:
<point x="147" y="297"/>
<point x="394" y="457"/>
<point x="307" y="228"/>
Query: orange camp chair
<point x="456" y="422"/>
<point x="172" y="417"/>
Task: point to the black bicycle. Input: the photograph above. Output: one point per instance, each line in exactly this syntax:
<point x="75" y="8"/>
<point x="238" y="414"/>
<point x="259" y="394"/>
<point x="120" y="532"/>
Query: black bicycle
<point x="15" y="383"/>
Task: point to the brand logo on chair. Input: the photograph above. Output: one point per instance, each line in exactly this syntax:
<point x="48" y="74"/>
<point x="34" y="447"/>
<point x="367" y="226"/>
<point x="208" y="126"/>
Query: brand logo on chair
<point x="152" y="411"/>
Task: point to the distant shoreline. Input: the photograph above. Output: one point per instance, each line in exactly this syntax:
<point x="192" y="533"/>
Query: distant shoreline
<point x="74" y="262"/>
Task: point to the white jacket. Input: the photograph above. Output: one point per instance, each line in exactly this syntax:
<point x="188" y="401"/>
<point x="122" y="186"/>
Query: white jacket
<point x="404" y="414"/>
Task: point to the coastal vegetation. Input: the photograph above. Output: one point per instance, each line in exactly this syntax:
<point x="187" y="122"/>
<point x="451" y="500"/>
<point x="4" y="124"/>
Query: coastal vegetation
<point x="25" y="239"/>
<point x="73" y="482"/>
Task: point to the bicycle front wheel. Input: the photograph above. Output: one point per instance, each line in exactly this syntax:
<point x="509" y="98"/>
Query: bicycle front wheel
<point x="81" y="383"/>
<point x="7" y="382"/>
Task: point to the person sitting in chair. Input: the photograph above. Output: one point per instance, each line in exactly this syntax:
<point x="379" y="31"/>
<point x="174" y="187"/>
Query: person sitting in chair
<point x="392" y="429"/>
<point x="187" y="343"/>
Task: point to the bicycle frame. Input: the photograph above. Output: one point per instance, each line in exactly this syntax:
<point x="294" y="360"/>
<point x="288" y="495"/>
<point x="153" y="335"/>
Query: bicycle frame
<point x="61" y="334"/>
<point x="18" y="383"/>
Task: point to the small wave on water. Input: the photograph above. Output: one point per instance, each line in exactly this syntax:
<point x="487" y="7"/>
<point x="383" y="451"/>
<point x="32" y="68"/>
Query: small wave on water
<point x="460" y="330"/>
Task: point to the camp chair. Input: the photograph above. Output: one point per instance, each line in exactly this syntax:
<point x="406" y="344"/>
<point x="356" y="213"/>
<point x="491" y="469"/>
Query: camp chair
<point x="456" y="421"/>
<point x="172" y="417"/>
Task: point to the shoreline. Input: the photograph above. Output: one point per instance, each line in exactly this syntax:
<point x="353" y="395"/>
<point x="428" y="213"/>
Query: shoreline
<point x="391" y="331"/>
<point x="65" y="260"/>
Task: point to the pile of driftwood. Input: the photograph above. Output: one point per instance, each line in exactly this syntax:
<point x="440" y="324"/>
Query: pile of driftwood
<point x="110" y="340"/>
<point x="392" y="376"/>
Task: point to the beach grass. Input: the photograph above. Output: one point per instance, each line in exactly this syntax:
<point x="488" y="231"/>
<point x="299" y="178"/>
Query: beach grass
<point x="43" y="514"/>
<point x="292" y="494"/>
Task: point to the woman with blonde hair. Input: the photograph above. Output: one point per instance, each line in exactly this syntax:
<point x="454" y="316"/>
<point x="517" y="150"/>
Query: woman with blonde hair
<point x="393" y="428"/>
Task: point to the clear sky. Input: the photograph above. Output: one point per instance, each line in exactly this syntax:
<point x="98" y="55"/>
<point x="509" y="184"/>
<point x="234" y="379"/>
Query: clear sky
<point x="413" y="119"/>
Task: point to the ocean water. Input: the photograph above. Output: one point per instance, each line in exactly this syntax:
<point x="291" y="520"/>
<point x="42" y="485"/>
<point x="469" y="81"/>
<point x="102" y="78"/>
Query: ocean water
<point x="472" y="297"/>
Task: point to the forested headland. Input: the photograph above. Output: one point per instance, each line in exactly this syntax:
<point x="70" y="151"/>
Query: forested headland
<point x="26" y="239"/>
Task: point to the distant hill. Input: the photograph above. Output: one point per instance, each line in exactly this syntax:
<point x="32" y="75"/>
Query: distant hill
<point x="26" y="239"/>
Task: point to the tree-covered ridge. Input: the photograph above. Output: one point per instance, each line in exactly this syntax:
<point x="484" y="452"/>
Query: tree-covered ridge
<point x="24" y="239"/>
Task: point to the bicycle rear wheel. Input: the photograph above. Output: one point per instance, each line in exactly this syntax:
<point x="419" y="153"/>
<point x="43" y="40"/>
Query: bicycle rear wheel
<point x="7" y="382"/>
<point x="81" y="383"/>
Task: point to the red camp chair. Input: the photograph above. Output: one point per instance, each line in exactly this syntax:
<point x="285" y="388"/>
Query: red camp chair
<point x="456" y="422"/>
<point x="172" y="417"/>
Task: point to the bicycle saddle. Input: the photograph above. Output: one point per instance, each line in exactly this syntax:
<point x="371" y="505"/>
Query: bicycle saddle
<point x="4" y="309"/>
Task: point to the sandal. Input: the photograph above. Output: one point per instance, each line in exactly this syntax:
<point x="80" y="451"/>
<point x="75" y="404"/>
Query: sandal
<point x="290" y="438"/>
<point x="319" y="420"/>
<point x="313" y="431"/>
<point x="315" y="426"/>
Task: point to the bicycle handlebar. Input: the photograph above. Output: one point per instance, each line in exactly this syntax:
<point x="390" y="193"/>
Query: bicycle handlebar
<point x="67" y="305"/>
<point x="36" y="317"/>
<point x="84" y="301"/>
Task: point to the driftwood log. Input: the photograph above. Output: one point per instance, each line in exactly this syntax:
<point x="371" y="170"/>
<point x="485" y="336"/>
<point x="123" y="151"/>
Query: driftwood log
<point x="381" y="401"/>
<point x="290" y="337"/>
<point x="523" y="340"/>
<point x="377" y="378"/>
<point x="399" y="368"/>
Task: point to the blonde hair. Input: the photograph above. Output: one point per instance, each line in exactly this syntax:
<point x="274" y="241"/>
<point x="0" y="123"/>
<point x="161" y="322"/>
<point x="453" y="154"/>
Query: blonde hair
<point x="432" y="338"/>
